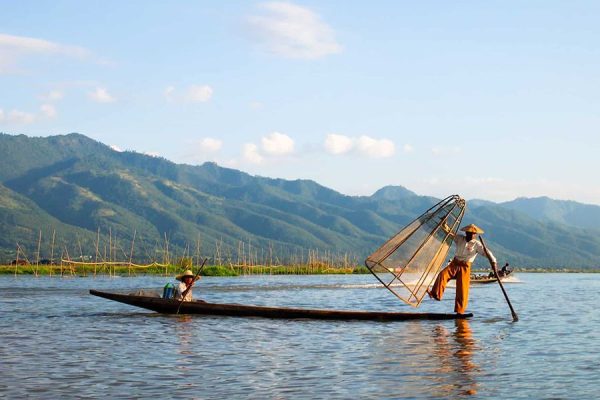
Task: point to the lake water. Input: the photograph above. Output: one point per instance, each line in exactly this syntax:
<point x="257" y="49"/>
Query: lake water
<point x="58" y="341"/>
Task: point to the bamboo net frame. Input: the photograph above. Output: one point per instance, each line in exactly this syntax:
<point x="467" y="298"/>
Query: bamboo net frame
<point x="408" y="262"/>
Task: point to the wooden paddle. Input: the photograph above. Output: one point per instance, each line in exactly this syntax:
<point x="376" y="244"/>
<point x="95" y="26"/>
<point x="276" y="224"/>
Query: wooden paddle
<point x="185" y="292"/>
<point x="512" y="310"/>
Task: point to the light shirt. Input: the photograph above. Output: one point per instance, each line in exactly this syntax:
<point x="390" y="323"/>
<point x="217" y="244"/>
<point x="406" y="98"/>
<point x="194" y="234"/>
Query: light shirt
<point x="179" y="289"/>
<point x="467" y="251"/>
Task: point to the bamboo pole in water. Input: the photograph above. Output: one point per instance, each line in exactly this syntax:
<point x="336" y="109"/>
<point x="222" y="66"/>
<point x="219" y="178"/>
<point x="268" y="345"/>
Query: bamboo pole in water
<point x="165" y="252"/>
<point x="37" y="259"/>
<point x="104" y="261"/>
<point x="80" y="251"/>
<point x="250" y="253"/>
<point x="109" y="245"/>
<point x="131" y="252"/>
<point x="68" y="259"/>
<point x="17" y="260"/>
<point x="219" y="246"/>
<point x="168" y="260"/>
<point x="495" y="269"/>
<point x="52" y="252"/>
<point x="97" y="244"/>
<point x="197" y="251"/>
<point x="113" y="255"/>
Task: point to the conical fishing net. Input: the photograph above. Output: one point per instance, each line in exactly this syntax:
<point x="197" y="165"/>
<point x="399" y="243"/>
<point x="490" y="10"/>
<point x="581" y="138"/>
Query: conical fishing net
<point x="408" y="263"/>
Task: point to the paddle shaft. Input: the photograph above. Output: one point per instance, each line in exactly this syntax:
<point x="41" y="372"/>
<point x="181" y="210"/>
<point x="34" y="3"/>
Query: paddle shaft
<point x="495" y="269"/>
<point x="185" y="292"/>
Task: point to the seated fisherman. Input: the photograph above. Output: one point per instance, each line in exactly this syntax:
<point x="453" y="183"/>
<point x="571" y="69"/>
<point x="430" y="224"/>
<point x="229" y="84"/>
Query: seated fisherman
<point x="467" y="248"/>
<point x="186" y="281"/>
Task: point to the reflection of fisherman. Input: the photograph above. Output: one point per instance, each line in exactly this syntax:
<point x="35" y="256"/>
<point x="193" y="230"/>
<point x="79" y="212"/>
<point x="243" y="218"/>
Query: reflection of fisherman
<point x="456" y="350"/>
<point x="467" y="248"/>
<point x="187" y="280"/>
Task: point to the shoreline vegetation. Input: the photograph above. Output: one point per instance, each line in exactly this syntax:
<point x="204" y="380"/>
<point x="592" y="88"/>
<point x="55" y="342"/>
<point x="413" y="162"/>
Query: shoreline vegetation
<point x="124" y="270"/>
<point x="133" y="270"/>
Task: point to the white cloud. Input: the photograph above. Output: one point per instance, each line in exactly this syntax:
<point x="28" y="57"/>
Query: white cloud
<point x="193" y="94"/>
<point x="101" y="95"/>
<point x="53" y="95"/>
<point x="363" y="145"/>
<point x="407" y="148"/>
<point x="338" y="144"/>
<point x="445" y="151"/>
<point x="292" y="31"/>
<point x="199" y="94"/>
<point x="375" y="148"/>
<point x="277" y="144"/>
<point x="21" y="117"/>
<point x="251" y="154"/>
<point x="17" y="117"/>
<point x="116" y="148"/>
<point x="48" y="110"/>
<point x="34" y="45"/>
<point x="210" y="145"/>
<point x="13" y="48"/>
<point x="273" y="145"/>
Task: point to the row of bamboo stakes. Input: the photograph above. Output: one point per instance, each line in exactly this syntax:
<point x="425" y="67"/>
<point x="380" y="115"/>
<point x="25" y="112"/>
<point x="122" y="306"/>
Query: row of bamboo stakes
<point x="248" y="259"/>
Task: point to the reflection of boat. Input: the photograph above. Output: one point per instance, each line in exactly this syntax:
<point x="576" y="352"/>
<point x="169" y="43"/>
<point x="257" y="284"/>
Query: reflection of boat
<point x="169" y="306"/>
<point x="491" y="277"/>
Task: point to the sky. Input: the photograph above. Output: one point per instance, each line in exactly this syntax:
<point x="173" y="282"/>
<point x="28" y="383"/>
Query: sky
<point x="491" y="100"/>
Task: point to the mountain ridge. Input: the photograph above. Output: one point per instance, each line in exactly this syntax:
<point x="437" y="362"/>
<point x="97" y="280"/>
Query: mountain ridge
<point x="82" y="188"/>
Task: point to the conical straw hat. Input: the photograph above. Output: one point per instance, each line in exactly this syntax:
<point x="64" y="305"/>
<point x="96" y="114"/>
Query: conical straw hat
<point x="472" y="228"/>
<point x="186" y="273"/>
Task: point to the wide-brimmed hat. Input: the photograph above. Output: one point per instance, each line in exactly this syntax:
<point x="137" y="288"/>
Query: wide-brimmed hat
<point x="472" y="228"/>
<point x="187" y="272"/>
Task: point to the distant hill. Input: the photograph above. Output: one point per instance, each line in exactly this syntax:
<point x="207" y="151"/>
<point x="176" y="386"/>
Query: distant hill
<point x="561" y="211"/>
<point x="393" y="193"/>
<point x="79" y="189"/>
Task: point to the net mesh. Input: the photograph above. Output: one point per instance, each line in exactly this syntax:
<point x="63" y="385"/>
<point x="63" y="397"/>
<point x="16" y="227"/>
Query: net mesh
<point x="408" y="263"/>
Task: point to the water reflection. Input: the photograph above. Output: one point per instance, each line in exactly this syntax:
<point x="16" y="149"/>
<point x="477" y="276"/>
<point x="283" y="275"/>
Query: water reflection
<point x="455" y="352"/>
<point x="183" y="325"/>
<point x="116" y="351"/>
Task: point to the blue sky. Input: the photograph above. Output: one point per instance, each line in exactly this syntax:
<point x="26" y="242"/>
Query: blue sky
<point x="492" y="100"/>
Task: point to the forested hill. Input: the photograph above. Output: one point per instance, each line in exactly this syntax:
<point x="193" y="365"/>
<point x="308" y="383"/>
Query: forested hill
<point x="78" y="188"/>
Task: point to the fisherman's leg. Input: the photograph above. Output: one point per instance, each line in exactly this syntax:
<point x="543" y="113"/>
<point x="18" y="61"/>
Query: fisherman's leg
<point x="463" y="280"/>
<point x="438" y="288"/>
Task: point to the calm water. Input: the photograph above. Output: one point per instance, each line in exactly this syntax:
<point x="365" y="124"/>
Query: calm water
<point x="58" y="341"/>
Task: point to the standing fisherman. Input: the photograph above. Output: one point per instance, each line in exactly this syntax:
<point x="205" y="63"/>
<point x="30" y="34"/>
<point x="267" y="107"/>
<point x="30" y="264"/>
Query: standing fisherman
<point x="467" y="248"/>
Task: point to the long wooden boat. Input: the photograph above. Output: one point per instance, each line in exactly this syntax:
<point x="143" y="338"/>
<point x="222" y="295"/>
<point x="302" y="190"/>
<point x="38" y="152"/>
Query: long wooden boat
<point x="488" y="278"/>
<point x="169" y="306"/>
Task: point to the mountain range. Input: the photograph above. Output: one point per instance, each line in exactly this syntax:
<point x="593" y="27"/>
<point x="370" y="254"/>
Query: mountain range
<point x="98" y="202"/>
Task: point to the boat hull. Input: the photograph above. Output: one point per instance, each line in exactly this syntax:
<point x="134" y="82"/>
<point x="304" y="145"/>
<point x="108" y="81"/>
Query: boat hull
<point x="484" y="280"/>
<point x="167" y="306"/>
